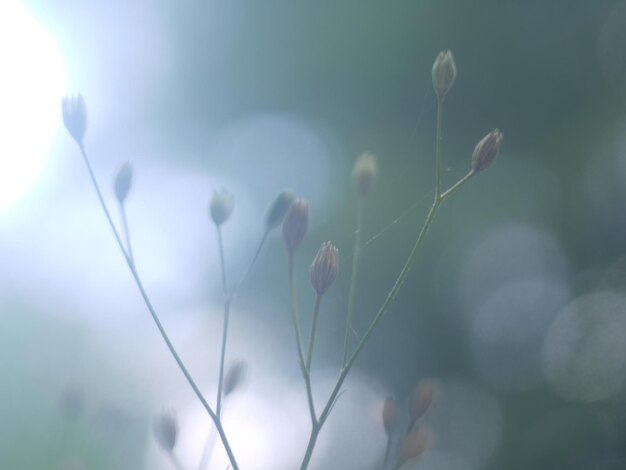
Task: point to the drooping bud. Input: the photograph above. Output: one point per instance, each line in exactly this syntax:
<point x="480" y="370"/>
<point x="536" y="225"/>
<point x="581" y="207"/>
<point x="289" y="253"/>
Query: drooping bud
<point x="123" y="182"/>
<point x="166" y="430"/>
<point x="324" y="268"/>
<point x="295" y="224"/>
<point x="422" y="398"/>
<point x="75" y="116"/>
<point x="221" y="206"/>
<point x="390" y="415"/>
<point x="364" y="173"/>
<point x="234" y="376"/>
<point x="413" y="445"/>
<point x="278" y="209"/>
<point x="486" y="150"/>
<point x="444" y="73"/>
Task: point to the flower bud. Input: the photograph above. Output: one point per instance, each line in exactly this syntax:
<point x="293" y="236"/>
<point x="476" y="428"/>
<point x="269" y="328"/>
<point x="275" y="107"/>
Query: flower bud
<point x="123" y="182"/>
<point x="166" y="430"/>
<point x="221" y="206"/>
<point x="422" y="398"/>
<point x="75" y="116"/>
<point x="486" y="150"/>
<point x="324" y="268"/>
<point x="278" y="209"/>
<point x="295" y="224"/>
<point x="413" y="445"/>
<point x="390" y="415"/>
<point x="444" y="73"/>
<point x="364" y="173"/>
<point x="234" y="376"/>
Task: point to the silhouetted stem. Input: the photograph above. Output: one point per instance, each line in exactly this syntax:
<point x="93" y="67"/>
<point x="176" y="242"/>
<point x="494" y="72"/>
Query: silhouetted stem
<point x="355" y="267"/>
<point x="296" y="327"/>
<point x="316" y="314"/>
<point x="218" y="407"/>
<point x="156" y="319"/>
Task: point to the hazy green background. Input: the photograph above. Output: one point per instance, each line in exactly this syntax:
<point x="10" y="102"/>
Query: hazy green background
<point x="172" y="75"/>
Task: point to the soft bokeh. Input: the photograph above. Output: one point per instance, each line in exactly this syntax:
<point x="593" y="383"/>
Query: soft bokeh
<point x="516" y="305"/>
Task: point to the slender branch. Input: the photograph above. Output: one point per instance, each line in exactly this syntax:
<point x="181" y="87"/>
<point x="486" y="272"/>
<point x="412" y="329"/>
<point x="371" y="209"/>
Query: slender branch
<point x="156" y="319"/>
<point x="129" y="247"/>
<point x="220" y="382"/>
<point x="296" y="327"/>
<point x="316" y="313"/>
<point x="439" y="198"/>
<point x="438" y="144"/>
<point x="252" y="263"/>
<point x="387" y="452"/>
<point x="355" y="266"/>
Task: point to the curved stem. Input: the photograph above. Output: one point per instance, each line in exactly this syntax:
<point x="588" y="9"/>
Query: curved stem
<point x="316" y="313"/>
<point x="252" y="263"/>
<point x="157" y="321"/>
<point x="220" y="382"/>
<point x="129" y="247"/>
<point x="296" y="327"/>
<point x="438" y="143"/>
<point x="355" y="266"/>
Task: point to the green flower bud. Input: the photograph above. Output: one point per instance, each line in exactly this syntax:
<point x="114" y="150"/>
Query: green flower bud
<point x="233" y="377"/>
<point x="123" y="182"/>
<point x="221" y="206"/>
<point x="75" y="116"/>
<point x="444" y="73"/>
<point x="295" y="224"/>
<point x="166" y="430"/>
<point x="324" y="268"/>
<point x="486" y="150"/>
<point x="278" y="209"/>
<point x="364" y="173"/>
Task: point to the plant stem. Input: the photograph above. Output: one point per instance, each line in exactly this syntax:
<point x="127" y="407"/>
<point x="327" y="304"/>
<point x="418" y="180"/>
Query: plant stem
<point x="355" y="266"/>
<point x="126" y="232"/>
<point x="252" y="263"/>
<point x="296" y="327"/>
<point x="316" y="313"/>
<point x="439" y="198"/>
<point x="387" y="452"/>
<point x="218" y="407"/>
<point x="156" y="319"/>
<point x="438" y="144"/>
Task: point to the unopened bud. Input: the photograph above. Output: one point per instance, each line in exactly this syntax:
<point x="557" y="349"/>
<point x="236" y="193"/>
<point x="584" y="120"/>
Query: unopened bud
<point x="324" y="268"/>
<point x="364" y="173"/>
<point x="444" y="73"/>
<point x="486" y="150"/>
<point x="422" y="398"/>
<point x="390" y="415"/>
<point x="75" y="116"/>
<point x="278" y="209"/>
<point x="221" y="206"/>
<point x="166" y="430"/>
<point x="295" y="224"/>
<point x="123" y="182"/>
<point x="413" y="445"/>
<point x="233" y="377"/>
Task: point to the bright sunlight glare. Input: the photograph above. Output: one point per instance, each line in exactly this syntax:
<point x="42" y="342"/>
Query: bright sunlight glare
<point x="31" y="84"/>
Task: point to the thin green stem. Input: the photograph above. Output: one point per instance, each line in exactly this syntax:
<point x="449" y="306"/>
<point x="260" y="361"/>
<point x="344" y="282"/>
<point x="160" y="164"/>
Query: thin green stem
<point x="296" y="327"/>
<point x="355" y="267"/>
<point x="129" y="247"/>
<point x="387" y="452"/>
<point x="252" y="263"/>
<point x="220" y="382"/>
<point x="457" y="185"/>
<point x="438" y="145"/>
<point x="316" y="313"/>
<point x="156" y="319"/>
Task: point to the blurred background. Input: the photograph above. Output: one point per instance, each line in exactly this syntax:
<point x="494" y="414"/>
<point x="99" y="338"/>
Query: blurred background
<point x="516" y="304"/>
